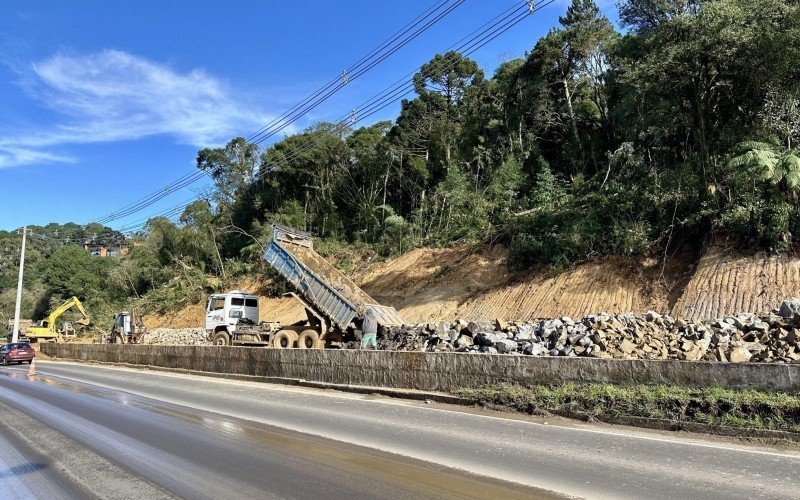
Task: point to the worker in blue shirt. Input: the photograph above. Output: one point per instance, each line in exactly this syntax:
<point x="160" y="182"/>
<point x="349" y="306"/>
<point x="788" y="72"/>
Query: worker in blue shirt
<point x="370" y="330"/>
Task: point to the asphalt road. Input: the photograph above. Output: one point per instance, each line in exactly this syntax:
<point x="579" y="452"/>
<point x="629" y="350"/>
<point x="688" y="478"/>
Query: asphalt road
<point x="165" y="434"/>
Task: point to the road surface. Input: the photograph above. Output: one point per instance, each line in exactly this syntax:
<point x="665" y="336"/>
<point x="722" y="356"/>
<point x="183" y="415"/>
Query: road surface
<point x="137" y="433"/>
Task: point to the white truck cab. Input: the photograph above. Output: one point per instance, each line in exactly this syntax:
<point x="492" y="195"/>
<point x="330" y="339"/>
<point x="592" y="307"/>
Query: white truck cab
<point x="224" y="311"/>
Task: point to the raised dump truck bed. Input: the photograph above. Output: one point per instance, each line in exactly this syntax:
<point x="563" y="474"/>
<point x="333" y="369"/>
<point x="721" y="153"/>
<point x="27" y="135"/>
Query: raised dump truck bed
<point x="321" y="285"/>
<point x="335" y="306"/>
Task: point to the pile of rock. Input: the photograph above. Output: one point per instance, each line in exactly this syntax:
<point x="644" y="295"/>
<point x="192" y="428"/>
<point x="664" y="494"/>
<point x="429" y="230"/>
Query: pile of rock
<point x="176" y="336"/>
<point x="744" y="337"/>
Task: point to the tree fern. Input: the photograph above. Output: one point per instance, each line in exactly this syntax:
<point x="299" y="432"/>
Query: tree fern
<point x="766" y="162"/>
<point x="790" y="167"/>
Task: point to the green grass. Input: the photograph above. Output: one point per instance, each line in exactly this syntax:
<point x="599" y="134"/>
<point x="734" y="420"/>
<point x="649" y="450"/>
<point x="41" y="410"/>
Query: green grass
<point x="712" y="406"/>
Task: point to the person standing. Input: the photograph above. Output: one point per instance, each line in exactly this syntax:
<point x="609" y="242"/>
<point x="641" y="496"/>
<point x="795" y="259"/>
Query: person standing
<point x="369" y="337"/>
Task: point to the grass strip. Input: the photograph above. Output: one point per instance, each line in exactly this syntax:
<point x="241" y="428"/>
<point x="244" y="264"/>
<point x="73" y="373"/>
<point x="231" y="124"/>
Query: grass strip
<point x="712" y="406"/>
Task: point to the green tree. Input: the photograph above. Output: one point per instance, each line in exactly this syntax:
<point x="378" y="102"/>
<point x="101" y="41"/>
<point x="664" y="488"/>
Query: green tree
<point x="73" y="271"/>
<point x="232" y="167"/>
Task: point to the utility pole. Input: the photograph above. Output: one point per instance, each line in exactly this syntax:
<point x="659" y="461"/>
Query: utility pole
<point x="15" y="332"/>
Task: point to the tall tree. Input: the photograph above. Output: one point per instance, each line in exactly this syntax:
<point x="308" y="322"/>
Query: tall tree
<point x="232" y="167"/>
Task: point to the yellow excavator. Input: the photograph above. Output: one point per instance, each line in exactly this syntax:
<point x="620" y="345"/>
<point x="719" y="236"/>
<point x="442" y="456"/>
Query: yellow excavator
<point x="46" y="329"/>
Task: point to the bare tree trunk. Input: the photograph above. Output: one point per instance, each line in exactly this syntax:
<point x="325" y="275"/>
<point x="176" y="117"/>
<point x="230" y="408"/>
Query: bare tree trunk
<point x="305" y="213"/>
<point x="568" y="96"/>
<point x="219" y="257"/>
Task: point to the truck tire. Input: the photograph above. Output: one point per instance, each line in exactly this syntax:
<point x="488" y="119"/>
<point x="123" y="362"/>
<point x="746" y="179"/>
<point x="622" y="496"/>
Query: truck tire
<point x="222" y="338"/>
<point x="119" y="340"/>
<point x="284" y="339"/>
<point x="309" y="339"/>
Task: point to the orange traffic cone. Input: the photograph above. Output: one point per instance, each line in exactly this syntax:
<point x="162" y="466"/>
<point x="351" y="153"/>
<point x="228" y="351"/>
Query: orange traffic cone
<point x="32" y="368"/>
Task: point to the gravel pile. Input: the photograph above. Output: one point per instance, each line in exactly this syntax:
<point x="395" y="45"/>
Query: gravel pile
<point x="741" y="338"/>
<point x="176" y="336"/>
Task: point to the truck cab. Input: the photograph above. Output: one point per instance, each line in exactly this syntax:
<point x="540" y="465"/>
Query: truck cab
<point x="225" y="311"/>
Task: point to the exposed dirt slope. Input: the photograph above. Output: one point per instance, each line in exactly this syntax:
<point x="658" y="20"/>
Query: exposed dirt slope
<point x="431" y="284"/>
<point x="427" y="284"/>
<point x="725" y="283"/>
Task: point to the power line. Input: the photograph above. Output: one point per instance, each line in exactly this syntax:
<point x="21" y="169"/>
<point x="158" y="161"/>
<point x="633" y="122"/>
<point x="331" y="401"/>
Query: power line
<point x="152" y="198"/>
<point x="413" y="22"/>
<point x="469" y="44"/>
<point x="169" y="212"/>
<point x="366" y="63"/>
<point x="466" y="46"/>
<point x="402" y="37"/>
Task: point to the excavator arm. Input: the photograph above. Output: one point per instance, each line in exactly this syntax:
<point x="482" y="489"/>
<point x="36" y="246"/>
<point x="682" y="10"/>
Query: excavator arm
<point x="47" y="330"/>
<point x="85" y="320"/>
<point x="58" y="311"/>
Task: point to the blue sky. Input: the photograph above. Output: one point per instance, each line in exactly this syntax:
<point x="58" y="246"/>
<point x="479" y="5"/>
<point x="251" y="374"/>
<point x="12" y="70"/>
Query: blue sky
<point x="102" y="103"/>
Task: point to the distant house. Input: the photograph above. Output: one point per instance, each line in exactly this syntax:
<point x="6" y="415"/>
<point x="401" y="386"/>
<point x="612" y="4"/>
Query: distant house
<point x="106" y="251"/>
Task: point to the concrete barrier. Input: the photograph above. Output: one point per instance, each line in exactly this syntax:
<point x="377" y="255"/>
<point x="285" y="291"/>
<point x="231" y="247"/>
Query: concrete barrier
<point x="433" y="371"/>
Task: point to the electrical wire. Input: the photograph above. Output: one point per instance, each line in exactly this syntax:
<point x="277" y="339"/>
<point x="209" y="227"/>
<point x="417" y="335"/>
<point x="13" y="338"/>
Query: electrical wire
<point x="321" y="96"/>
<point x="467" y="45"/>
<point x="382" y="52"/>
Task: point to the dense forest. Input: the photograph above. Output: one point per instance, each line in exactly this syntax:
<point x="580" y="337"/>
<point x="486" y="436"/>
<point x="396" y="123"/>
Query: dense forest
<point x="678" y="128"/>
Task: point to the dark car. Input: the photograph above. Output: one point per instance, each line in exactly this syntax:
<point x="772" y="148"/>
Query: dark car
<point x="18" y="352"/>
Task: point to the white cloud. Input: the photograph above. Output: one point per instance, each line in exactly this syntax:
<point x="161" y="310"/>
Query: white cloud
<point x="113" y="95"/>
<point x="11" y="156"/>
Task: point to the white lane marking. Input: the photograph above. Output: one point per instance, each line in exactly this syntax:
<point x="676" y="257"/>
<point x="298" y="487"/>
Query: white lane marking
<point x="679" y="440"/>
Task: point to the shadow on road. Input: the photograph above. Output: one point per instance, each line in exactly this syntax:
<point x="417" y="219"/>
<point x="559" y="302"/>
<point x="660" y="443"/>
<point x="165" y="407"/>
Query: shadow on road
<point x="18" y="470"/>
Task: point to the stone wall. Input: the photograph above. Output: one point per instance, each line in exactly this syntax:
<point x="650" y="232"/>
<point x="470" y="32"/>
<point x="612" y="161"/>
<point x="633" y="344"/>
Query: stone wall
<point x="433" y="371"/>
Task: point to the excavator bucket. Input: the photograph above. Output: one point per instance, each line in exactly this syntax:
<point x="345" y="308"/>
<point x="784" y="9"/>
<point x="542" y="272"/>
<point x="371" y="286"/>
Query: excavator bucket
<point x="84" y="321"/>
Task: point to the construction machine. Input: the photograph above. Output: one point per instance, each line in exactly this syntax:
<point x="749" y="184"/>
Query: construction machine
<point x="128" y="328"/>
<point x="45" y="330"/>
<point x="24" y="324"/>
<point x="335" y="306"/>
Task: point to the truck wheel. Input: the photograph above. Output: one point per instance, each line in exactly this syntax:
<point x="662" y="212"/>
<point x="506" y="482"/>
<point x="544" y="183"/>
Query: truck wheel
<point x="119" y="340"/>
<point x="308" y="339"/>
<point x="284" y="339"/>
<point x="222" y="338"/>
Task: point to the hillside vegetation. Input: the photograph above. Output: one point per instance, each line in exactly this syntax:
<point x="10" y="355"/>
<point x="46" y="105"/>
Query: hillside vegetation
<point x="678" y="131"/>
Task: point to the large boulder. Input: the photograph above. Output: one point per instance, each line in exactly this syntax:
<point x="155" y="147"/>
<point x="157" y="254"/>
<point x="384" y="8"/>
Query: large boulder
<point x="473" y="328"/>
<point x="790" y="308"/>
<point x="525" y="332"/>
<point x="534" y="349"/>
<point x="486" y="339"/>
<point x="464" y="341"/>
<point x="740" y="355"/>
<point x="505" y="346"/>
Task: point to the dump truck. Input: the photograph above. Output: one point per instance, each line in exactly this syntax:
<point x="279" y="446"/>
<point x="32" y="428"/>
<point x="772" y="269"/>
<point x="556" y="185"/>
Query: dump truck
<point x="45" y="330"/>
<point x="24" y="324"/>
<point x="334" y="305"/>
